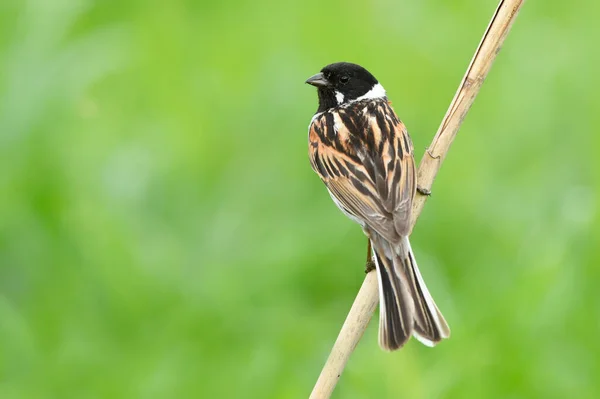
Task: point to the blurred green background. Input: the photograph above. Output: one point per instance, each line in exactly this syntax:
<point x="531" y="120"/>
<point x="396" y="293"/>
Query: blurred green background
<point x="163" y="236"/>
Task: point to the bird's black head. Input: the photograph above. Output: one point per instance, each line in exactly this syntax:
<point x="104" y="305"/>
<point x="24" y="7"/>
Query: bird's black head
<point x="342" y="83"/>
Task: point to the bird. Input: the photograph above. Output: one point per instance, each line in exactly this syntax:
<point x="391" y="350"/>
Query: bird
<point x="362" y="152"/>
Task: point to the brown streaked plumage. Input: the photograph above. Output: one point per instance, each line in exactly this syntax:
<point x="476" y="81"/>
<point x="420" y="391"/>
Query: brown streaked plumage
<point x="362" y="152"/>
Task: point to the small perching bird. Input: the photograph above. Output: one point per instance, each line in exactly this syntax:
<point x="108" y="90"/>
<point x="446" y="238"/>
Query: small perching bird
<point x="363" y="154"/>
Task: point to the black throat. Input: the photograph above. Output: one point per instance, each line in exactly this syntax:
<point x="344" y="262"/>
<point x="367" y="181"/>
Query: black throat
<point x="327" y="99"/>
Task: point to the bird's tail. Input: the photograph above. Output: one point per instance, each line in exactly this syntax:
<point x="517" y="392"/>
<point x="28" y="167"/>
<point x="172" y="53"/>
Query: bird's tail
<point x="405" y="306"/>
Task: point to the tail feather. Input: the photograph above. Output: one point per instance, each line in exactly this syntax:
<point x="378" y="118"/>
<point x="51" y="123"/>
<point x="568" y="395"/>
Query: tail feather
<point x="395" y="306"/>
<point x="406" y="307"/>
<point x="430" y="326"/>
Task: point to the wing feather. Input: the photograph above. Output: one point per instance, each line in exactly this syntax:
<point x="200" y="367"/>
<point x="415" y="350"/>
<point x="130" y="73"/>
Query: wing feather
<point x="365" y="157"/>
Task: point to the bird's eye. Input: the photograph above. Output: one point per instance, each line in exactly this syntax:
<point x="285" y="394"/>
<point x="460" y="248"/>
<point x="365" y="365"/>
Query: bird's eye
<point x="344" y="79"/>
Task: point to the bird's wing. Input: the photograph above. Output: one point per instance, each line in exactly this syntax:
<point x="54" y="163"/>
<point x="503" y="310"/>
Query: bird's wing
<point x="364" y="155"/>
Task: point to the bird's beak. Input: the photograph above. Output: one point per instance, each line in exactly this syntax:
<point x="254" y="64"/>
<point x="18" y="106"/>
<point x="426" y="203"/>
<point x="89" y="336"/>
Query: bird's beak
<point x="317" y="80"/>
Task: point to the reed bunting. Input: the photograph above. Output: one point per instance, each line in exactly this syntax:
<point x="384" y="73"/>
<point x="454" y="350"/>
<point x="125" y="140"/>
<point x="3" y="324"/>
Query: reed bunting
<point x="363" y="154"/>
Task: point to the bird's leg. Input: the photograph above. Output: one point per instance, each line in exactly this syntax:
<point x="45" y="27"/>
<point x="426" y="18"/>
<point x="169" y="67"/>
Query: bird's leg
<point x="370" y="265"/>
